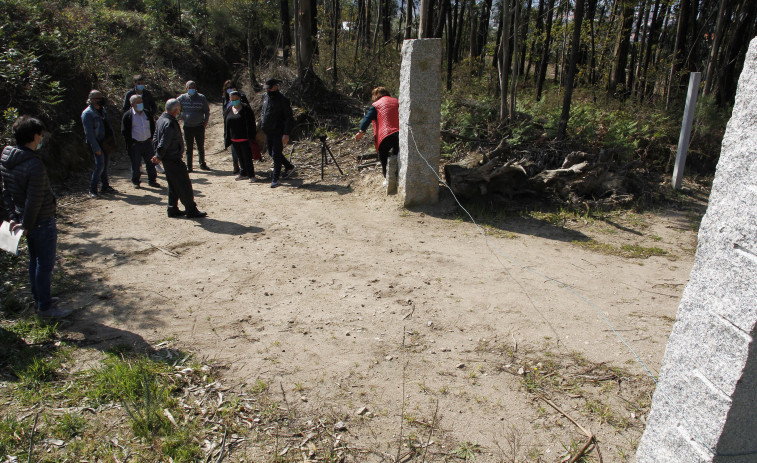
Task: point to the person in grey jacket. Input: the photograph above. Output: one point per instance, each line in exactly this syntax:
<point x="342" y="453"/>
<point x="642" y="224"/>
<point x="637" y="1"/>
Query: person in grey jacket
<point x="100" y="139"/>
<point x="169" y="147"/>
<point x="31" y="205"/>
<point x="195" y="112"/>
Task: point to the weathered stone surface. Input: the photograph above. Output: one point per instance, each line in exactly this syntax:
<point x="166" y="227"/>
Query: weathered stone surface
<point x="420" y="119"/>
<point x="704" y="407"/>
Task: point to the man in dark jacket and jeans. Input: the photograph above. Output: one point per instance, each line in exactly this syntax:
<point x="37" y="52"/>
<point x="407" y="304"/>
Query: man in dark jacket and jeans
<point x="169" y="147"/>
<point x="137" y="128"/>
<point x="276" y="122"/>
<point x="31" y="205"/>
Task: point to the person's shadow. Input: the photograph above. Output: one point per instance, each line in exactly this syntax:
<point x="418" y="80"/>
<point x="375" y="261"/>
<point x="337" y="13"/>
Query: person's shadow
<point x="224" y="227"/>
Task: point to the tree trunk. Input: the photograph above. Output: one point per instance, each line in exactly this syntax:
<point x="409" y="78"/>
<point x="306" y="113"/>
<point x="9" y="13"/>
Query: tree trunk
<point x="386" y="16"/>
<point x="409" y="19"/>
<point x="651" y="40"/>
<point x="593" y="58"/>
<point x="450" y="45"/>
<point x="483" y="27"/>
<point x="286" y="33"/>
<point x="536" y="43"/>
<point x="314" y="25"/>
<point x="367" y="36"/>
<point x="251" y="54"/>
<point x="736" y="49"/>
<point x="680" y="45"/>
<point x="642" y="46"/>
<point x="305" y="39"/>
<point x="577" y="19"/>
<point x="621" y="47"/>
<point x="635" y="46"/>
<point x="514" y="83"/>
<point x="425" y="28"/>
<point x="504" y="70"/>
<point x="441" y="19"/>
<point x="524" y="21"/>
<point x="473" y="31"/>
<point x="545" y="52"/>
<point x="336" y="22"/>
<point x="713" y="62"/>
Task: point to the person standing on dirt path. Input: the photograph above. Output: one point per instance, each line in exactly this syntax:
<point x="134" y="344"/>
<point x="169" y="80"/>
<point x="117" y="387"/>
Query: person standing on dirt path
<point x="100" y="139"/>
<point x="30" y="202"/>
<point x="139" y="89"/>
<point x="195" y="112"/>
<point x="169" y="147"/>
<point x="239" y="133"/>
<point x="228" y="87"/>
<point x="384" y="114"/>
<point x="276" y="122"/>
<point x="137" y="128"/>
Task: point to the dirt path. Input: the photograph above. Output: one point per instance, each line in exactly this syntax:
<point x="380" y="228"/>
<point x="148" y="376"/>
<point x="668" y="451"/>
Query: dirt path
<point x="348" y="301"/>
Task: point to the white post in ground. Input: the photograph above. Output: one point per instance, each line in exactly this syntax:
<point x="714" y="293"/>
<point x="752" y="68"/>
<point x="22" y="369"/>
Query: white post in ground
<point x="688" y="121"/>
<point x="705" y="406"/>
<point x="420" y="121"/>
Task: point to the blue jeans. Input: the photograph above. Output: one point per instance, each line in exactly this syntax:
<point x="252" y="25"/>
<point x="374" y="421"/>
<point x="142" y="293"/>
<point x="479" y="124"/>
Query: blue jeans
<point x="101" y="171"/>
<point x="42" y="241"/>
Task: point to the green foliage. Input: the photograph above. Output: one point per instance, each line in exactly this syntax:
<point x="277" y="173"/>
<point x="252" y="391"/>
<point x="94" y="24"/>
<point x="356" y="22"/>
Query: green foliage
<point x="123" y="379"/>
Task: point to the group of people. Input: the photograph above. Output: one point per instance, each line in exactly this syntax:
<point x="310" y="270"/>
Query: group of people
<point x="31" y="204"/>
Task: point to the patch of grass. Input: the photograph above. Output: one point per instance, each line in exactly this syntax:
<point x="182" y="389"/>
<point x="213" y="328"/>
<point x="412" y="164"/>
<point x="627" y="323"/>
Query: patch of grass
<point x="38" y="371"/>
<point x="12" y="435"/>
<point x="631" y="251"/>
<point x="467" y="450"/>
<point x="68" y="426"/>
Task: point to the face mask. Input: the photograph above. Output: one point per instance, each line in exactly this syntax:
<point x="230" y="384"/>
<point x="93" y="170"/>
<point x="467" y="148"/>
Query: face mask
<point x="140" y="87"/>
<point x="235" y="103"/>
<point x="191" y="91"/>
<point x="40" y="144"/>
<point x="140" y="106"/>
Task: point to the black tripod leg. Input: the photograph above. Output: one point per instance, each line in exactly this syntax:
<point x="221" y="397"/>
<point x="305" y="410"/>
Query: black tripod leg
<point x="334" y="159"/>
<point x="323" y="160"/>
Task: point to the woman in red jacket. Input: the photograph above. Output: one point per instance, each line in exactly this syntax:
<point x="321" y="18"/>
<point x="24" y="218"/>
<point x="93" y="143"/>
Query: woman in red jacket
<point x="385" y="116"/>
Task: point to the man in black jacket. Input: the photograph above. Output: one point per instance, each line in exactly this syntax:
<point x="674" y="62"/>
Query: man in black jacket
<point x="137" y="128"/>
<point x="139" y="89"/>
<point x="31" y="205"/>
<point x="168" y="143"/>
<point x="276" y="121"/>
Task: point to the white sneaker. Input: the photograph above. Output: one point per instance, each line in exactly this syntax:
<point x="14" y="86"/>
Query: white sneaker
<point x="386" y="182"/>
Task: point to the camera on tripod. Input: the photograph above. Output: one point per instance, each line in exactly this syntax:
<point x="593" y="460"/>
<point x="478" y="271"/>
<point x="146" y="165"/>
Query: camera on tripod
<point x="322" y="138"/>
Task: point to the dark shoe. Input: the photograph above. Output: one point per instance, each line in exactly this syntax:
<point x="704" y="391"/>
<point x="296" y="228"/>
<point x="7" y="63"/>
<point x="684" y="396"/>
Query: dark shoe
<point x="235" y="171"/>
<point x="241" y="177"/>
<point x="54" y="300"/>
<point x="288" y="172"/>
<point x="54" y="312"/>
<point x="109" y="189"/>
<point x="189" y="168"/>
<point x="155" y="184"/>
<point x="204" y="166"/>
<point x="275" y="184"/>
<point x="175" y="212"/>
<point x="196" y="214"/>
<point x="253" y="179"/>
<point x="93" y="195"/>
<point x="136" y="186"/>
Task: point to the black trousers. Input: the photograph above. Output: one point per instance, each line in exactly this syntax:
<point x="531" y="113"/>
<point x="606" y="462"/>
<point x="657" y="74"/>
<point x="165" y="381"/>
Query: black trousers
<point x="195" y="134"/>
<point x="276" y="151"/>
<point x="179" y="185"/>
<point x="389" y="144"/>
<point x="244" y="155"/>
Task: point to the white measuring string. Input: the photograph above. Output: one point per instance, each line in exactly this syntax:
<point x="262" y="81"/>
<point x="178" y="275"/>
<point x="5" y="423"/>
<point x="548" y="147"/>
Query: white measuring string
<point x="498" y="252"/>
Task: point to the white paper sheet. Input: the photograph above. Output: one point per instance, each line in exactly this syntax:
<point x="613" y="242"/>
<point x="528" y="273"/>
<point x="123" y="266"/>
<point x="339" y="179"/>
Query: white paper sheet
<point x="9" y="240"/>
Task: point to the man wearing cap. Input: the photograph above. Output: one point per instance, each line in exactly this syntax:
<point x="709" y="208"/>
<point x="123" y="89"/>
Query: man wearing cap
<point x="169" y="146"/>
<point x="137" y="128"/>
<point x="99" y="136"/>
<point x="276" y="122"/>
<point x="139" y="89"/>
<point x="195" y="112"/>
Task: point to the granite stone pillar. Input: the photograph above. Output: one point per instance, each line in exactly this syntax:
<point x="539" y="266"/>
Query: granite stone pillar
<point x="420" y="119"/>
<point x="705" y="406"/>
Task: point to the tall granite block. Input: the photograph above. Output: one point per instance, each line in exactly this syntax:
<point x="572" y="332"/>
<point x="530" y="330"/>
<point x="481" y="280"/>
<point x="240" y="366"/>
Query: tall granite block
<point x="420" y="119"/>
<point x="705" y="406"/>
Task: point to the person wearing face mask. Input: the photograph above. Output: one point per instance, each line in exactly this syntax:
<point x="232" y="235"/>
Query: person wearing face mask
<point x="195" y="112"/>
<point x="276" y="122"/>
<point x="137" y="128"/>
<point x="239" y="131"/>
<point x="99" y="136"/>
<point x="139" y="89"/>
<point x="228" y="87"/>
<point x="168" y="144"/>
<point x="30" y="202"/>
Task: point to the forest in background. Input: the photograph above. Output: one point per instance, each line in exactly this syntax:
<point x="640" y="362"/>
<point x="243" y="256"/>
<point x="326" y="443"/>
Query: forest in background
<point x="626" y="63"/>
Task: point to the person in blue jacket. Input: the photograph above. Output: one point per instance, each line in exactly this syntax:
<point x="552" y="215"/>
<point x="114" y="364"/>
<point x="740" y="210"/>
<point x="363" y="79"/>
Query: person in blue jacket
<point x="100" y="139"/>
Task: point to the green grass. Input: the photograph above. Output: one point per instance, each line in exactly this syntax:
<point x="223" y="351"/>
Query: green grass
<point x="631" y="251"/>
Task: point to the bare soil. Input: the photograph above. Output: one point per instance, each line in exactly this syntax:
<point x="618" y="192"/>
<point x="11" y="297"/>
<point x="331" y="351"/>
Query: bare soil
<point x="336" y="296"/>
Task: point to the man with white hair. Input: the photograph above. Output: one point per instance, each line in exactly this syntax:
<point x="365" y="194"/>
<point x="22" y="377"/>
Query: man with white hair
<point x="195" y="112"/>
<point x="169" y="146"/>
<point x="137" y="128"/>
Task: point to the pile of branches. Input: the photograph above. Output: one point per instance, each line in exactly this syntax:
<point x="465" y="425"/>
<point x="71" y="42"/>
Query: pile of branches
<point x="575" y="177"/>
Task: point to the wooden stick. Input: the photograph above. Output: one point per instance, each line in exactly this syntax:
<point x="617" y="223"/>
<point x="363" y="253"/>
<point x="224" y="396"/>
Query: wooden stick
<point x="582" y="451"/>
<point x="31" y="438"/>
<point x="552" y="404"/>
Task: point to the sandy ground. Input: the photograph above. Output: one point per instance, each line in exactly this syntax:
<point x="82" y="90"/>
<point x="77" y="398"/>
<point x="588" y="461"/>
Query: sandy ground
<point x="347" y="300"/>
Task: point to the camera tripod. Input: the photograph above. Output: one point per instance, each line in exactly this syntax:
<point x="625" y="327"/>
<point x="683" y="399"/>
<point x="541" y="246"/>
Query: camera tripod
<point x="324" y="159"/>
